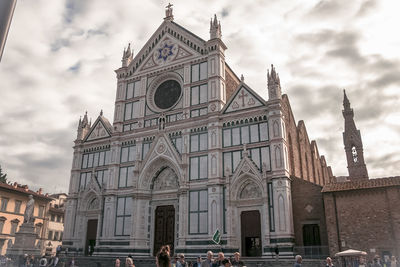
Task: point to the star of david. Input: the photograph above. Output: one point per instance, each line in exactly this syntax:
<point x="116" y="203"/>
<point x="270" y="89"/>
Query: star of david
<point x="165" y="52"/>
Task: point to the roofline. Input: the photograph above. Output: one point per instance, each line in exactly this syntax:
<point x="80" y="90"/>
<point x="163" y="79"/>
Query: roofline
<point x="26" y="193"/>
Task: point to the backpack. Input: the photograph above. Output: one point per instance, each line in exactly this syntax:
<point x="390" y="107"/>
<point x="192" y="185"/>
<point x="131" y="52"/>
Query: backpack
<point x="43" y="262"/>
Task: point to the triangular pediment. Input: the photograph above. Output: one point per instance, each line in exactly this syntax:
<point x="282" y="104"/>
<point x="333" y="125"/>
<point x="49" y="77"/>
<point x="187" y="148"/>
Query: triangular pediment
<point x="93" y="184"/>
<point x="162" y="146"/>
<point x="170" y="44"/>
<point x="101" y="129"/>
<point x="245" y="179"/>
<point x="243" y="98"/>
<point x="246" y="166"/>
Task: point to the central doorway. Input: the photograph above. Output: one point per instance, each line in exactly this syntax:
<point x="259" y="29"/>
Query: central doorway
<point x="251" y="233"/>
<point x="91" y="237"/>
<point x="164" y="228"/>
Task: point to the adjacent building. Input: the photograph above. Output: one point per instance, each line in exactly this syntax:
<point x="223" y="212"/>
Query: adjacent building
<point x="362" y="213"/>
<point x="55" y="230"/>
<point x="13" y="199"/>
<point x="192" y="149"/>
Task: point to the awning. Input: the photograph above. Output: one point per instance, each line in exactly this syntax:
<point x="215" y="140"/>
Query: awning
<point x="351" y="252"/>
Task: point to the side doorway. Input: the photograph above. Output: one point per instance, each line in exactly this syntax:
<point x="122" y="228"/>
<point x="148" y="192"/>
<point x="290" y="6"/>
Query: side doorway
<point x="251" y="233"/>
<point x="164" y="228"/>
<point x="91" y="233"/>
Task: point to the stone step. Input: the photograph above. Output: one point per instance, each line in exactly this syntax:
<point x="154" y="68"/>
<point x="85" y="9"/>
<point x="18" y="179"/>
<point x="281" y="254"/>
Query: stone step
<point x="97" y="261"/>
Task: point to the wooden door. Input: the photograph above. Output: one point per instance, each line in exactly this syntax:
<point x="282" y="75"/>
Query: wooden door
<point x="164" y="228"/>
<point x="251" y="233"/>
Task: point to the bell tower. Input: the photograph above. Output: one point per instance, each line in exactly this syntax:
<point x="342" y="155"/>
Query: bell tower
<point x="353" y="144"/>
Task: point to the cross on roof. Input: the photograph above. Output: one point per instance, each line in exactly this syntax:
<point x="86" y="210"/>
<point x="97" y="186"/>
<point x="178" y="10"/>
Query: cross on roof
<point x="242" y="95"/>
<point x="169" y="5"/>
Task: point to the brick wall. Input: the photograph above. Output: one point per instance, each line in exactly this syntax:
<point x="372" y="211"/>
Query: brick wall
<point x="304" y="159"/>
<point x="308" y="208"/>
<point x="364" y="219"/>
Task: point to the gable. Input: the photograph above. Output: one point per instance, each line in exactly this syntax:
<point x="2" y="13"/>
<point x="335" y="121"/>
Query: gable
<point x="166" y="52"/>
<point x="243" y="98"/>
<point x="98" y="131"/>
<point x="162" y="146"/>
<point x="170" y="43"/>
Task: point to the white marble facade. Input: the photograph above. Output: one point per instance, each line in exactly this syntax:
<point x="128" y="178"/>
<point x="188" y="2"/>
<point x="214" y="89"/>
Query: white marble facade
<point x="191" y="148"/>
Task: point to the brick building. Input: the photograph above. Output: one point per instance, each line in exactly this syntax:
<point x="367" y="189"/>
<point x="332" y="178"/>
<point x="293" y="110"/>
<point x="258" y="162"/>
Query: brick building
<point x="361" y="213"/>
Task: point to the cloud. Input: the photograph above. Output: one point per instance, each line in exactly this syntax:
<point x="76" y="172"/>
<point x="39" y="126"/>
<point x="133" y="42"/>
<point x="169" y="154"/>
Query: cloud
<point x="225" y="12"/>
<point x="326" y="8"/>
<point x="62" y="63"/>
<point x="367" y="7"/>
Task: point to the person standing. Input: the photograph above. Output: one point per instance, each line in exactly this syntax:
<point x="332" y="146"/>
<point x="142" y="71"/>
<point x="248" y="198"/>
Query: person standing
<point x="299" y="259"/>
<point x="277" y="253"/>
<point x="376" y="262"/>
<point x="209" y="261"/>
<point x="163" y="258"/>
<point x="226" y="263"/>
<point x="181" y="261"/>
<point x="219" y="260"/>
<point x="117" y="262"/>
<point x="393" y="262"/>
<point x="236" y="260"/>
<point x="329" y="262"/>
<point x="129" y="262"/>
<point x="198" y="262"/>
<point x="72" y="262"/>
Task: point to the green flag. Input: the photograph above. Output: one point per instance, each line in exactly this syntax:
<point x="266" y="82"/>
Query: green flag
<point x="216" y="237"/>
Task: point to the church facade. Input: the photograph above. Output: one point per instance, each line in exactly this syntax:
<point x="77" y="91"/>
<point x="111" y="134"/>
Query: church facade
<point x="192" y="151"/>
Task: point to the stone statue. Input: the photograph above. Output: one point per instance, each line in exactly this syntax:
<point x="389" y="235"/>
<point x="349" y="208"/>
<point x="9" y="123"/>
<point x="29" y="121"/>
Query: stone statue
<point x="10" y="243"/>
<point x="28" y="215"/>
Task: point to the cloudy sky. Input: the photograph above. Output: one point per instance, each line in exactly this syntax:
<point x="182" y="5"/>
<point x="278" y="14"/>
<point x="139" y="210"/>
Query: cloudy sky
<point x="60" y="58"/>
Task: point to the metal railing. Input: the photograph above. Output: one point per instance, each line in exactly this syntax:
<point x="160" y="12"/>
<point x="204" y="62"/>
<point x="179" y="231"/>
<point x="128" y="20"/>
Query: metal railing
<point x="312" y="252"/>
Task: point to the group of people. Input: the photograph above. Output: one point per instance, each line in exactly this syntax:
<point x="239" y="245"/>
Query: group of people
<point x="128" y="262"/>
<point x="392" y="262"/>
<point x="30" y="261"/>
<point x="164" y="259"/>
<point x="387" y="262"/>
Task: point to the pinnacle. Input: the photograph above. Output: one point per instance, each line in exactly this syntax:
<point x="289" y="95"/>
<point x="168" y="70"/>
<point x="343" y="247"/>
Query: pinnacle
<point x="346" y="102"/>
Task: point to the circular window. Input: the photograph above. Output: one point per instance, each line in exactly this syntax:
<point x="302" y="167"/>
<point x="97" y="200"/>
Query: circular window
<point x="167" y="94"/>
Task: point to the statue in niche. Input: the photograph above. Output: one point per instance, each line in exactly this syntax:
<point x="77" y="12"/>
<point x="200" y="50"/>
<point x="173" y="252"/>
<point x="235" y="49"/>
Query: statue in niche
<point x="28" y="215"/>
<point x="250" y="191"/>
<point x="165" y="180"/>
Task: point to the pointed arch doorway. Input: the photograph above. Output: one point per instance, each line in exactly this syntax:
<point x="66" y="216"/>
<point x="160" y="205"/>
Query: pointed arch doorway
<point x="164" y="201"/>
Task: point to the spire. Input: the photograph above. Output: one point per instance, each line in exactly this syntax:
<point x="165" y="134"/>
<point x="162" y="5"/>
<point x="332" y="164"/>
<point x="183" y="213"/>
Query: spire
<point x="127" y="56"/>
<point x="353" y="144"/>
<point x="274" y="84"/>
<point x="215" y="28"/>
<point x="85" y="120"/>
<point x="168" y="12"/>
<point x="83" y="127"/>
<point x="346" y="102"/>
